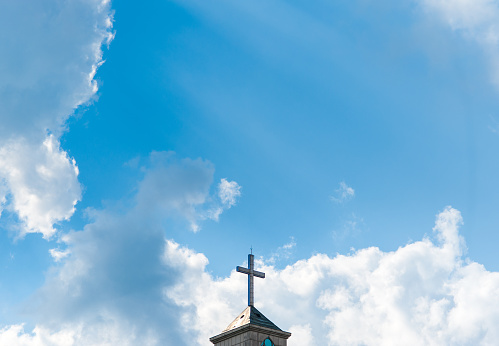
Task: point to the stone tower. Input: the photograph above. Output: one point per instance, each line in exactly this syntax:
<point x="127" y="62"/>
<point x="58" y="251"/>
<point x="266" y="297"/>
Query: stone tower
<point x="251" y="327"/>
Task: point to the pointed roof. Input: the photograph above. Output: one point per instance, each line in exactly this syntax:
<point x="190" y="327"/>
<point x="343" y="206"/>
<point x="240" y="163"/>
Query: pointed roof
<point x="251" y="315"/>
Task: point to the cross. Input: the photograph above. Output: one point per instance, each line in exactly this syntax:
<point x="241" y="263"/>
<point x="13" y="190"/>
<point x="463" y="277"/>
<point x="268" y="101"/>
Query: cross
<point x="251" y="272"/>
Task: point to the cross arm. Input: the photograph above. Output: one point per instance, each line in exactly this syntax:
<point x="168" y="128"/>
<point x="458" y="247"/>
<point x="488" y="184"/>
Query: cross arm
<point x="259" y="274"/>
<point x="248" y="272"/>
<point x="242" y="270"/>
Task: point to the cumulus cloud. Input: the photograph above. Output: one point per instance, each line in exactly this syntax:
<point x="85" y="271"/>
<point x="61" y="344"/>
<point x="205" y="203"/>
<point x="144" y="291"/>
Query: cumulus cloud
<point x="424" y="293"/>
<point x="124" y="282"/>
<point x="343" y="193"/>
<point x="302" y="335"/>
<point x="39" y="89"/>
<point x="475" y="19"/>
<point x="110" y="284"/>
<point x="42" y="182"/>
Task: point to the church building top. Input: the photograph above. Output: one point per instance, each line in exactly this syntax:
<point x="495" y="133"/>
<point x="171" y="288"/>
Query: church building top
<point x="251" y="327"/>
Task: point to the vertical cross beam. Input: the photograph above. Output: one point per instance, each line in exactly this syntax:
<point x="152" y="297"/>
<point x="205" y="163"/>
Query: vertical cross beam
<point x="251" y="272"/>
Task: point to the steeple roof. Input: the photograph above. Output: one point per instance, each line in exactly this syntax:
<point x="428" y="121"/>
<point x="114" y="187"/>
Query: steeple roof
<point x="251" y="315"/>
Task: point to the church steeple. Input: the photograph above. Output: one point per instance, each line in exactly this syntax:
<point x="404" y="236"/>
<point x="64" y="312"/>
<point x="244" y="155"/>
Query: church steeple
<point x="251" y="327"/>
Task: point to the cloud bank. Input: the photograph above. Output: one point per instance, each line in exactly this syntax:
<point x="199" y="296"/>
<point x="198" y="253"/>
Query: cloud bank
<point x="41" y="182"/>
<point x="123" y="282"/>
<point x="424" y="293"/>
<point x="39" y="89"/>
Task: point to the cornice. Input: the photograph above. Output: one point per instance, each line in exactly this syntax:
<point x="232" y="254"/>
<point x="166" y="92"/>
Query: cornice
<point x="247" y="328"/>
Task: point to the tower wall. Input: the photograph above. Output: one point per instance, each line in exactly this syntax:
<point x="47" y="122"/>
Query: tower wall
<point x="250" y="335"/>
<point x="251" y="339"/>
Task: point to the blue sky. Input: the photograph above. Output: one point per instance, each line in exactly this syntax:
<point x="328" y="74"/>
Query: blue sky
<point x="145" y="148"/>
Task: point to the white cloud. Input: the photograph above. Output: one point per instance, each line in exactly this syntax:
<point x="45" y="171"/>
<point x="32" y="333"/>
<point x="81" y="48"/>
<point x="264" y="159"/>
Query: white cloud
<point x="343" y="193"/>
<point x="302" y="335"/>
<point x="475" y="19"/>
<point x="58" y="255"/>
<point x="42" y="182"/>
<point x="16" y="336"/>
<point x="103" y="333"/>
<point x="423" y="293"/>
<point x="47" y="73"/>
<point x="228" y="191"/>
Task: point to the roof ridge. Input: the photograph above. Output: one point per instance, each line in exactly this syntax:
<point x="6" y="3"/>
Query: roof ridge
<point x="251" y="315"/>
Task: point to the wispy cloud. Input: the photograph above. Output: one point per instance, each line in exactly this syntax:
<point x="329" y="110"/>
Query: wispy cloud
<point x="343" y="193"/>
<point x="58" y="254"/>
<point x="228" y="191"/>
<point x="351" y="226"/>
<point x="283" y="252"/>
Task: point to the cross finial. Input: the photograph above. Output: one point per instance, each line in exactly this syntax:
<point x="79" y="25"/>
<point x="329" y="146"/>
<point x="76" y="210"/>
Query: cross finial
<point x="251" y="272"/>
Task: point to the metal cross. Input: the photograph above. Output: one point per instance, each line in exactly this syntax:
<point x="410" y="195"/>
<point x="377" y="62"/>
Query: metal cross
<point x="251" y="272"/>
